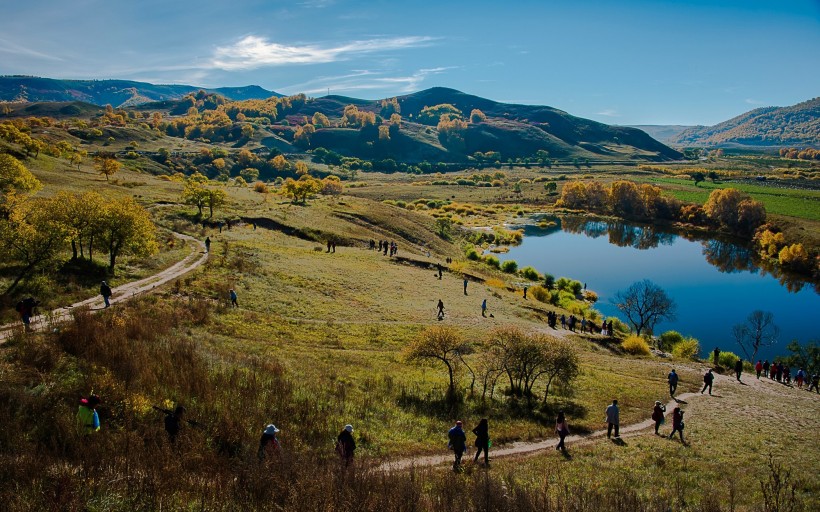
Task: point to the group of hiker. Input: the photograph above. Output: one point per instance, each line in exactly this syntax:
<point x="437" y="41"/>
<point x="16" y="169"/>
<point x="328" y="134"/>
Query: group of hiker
<point x="384" y="246"/>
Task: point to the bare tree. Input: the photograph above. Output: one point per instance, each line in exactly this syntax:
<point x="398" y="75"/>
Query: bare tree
<point x="645" y="304"/>
<point x="758" y="331"/>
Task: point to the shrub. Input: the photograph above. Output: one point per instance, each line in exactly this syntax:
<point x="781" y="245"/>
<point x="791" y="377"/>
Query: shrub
<point x="688" y="348"/>
<point x="540" y="293"/>
<point x="530" y="273"/>
<point x="495" y="283"/>
<point x="260" y="187"/>
<point x="635" y="345"/>
<point x="473" y="254"/>
<point x="510" y="266"/>
<point x="492" y="261"/>
<point x="549" y="281"/>
<point x="590" y="296"/>
<point x="669" y="339"/>
<point x="727" y="359"/>
<point x="617" y="325"/>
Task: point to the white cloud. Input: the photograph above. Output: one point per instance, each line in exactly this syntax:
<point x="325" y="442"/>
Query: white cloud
<point x="252" y="52"/>
<point x="751" y="101"/>
<point x="609" y="112"/>
<point x="7" y="46"/>
<point x="365" y="80"/>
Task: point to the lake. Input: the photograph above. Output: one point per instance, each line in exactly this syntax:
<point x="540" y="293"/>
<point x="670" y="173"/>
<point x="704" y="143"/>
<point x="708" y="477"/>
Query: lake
<point x="714" y="283"/>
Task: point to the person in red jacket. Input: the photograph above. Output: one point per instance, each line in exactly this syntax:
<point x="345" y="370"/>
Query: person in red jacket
<point x="759" y="369"/>
<point x="677" y="424"/>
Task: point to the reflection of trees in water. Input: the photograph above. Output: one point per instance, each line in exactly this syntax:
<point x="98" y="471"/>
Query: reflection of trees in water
<point x="729" y="257"/>
<point x="622" y="234"/>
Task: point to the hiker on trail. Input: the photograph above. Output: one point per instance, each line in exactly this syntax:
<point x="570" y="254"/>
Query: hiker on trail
<point x="386" y="246"/>
<point x="677" y="424"/>
<point x="787" y="375"/>
<point x="609" y="328"/>
<point x="766" y="368"/>
<point x="345" y="445"/>
<point x="584" y="325"/>
<point x="657" y="415"/>
<point x="815" y="383"/>
<point x="612" y="419"/>
<point x="105" y="291"/>
<point x="778" y="373"/>
<point x="173" y="422"/>
<point x="673" y="382"/>
<point x="563" y="321"/>
<point x="465" y="286"/>
<point x="380" y="246"/>
<point x="484" y="308"/>
<point x="458" y="443"/>
<point x="328" y="246"/>
<point x="758" y="368"/>
<point x="333" y="247"/>
<point x="738" y="368"/>
<point x="440" y="308"/>
<point x="439" y="268"/>
<point x="26" y="309"/>
<point x="87" y="417"/>
<point x="708" y="378"/>
<point x="716" y="358"/>
<point x="482" y="441"/>
<point x="234" y="298"/>
<point x="268" y="441"/>
<point x="801" y="375"/>
<point x="525" y="293"/>
<point x="207" y="244"/>
<point x="562" y="429"/>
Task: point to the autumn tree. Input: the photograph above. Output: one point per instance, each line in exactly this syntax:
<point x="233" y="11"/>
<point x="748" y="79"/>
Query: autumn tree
<point x="320" y="120"/>
<point x="82" y="215"/>
<point x="106" y="166"/>
<point x="214" y="198"/>
<point x="302" y="168"/>
<point x="249" y="174"/>
<point x="280" y="163"/>
<point x="390" y="107"/>
<point x="441" y="344"/>
<point x="332" y="186"/>
<point x="758" y="331"/>
<point x="195" y="194"/>
<point x="477" y="116"/>
<point x="734" y="210"/>
<point x="303" y="134"/>
<point x="299" y="190"/>
<point x="127" y="229"/>
<point x="645" y="304"/>
<point x="15" y="178"/>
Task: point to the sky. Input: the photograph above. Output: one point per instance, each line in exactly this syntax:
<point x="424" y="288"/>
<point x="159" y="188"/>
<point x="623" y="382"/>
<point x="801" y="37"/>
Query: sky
<point x="615" y="61"/>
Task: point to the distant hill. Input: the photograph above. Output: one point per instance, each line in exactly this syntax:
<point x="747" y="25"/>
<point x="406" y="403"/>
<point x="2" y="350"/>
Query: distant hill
<point x="118" y="93"/>
<point x="662" y="132"/>
<point x="798" y="125"/>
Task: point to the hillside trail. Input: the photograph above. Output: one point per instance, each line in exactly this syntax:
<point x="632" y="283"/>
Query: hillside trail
<point x="546" y="446"/>
<point x="196" y="258"/>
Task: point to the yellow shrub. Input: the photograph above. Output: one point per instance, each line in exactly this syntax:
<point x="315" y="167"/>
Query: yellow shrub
<point x="540" y="293"/>
<point x="495" y="283"/>
<point x="686" y="349"/>
<point x="635" y="345"/>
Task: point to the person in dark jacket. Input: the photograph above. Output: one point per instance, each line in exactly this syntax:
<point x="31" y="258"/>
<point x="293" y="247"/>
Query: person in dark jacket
<point x="562" y="429"/>
<point x="657" y="415"/>
<point x="26" y="309"/>
<point x="173" y="423"/>
<point x="345" y="445"/>
<point x="482" y="440"/>
<point x="673" y="382"/>
<point x="677" y="424"/>
<point x="708" y="378"/>
<point x="268" y="441"/>
<point x="105" y="291"/>
<point x="458" y="443"/>
<point x="738" y="368"/>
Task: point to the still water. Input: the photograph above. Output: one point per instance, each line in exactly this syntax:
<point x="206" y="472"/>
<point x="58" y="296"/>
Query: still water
<point x="715" y="284"/>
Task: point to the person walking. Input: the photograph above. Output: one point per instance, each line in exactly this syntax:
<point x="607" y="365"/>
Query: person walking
<point x="657" y="415"/>
<point x="105" y="291"/>
<point x="766" y="368"/>
<point x="484" y="308"/>
<point x="482" y="441"/>
<point x="800" y="377"/>
<point x="612" y="419"/>
<point x="26" y="309"/>
<point x="173" y="422"/>
<point x="268" y="442"/>
<point x="440" y="308"/>
<point x="207" y="244"/>
<point x="672" y="378"/>
<point x="708" y="378"/>
<point x="458" y="443"/>
<point x="562" y="429"/>
<point x="677" y="424"/>
<point x="233" y="298"/>
<point x="440" y="269"/>
<point x="87" y="417"/>
<point x="738" y="368"/>
<point x="525" y="292"/>
<point x="465" y="286"/>
<point x="345" y="444"/>
<point x="815" y="383"/>
<point x="758" y="369"/>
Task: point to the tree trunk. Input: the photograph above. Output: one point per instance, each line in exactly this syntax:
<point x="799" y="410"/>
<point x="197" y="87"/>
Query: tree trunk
<point x="73" y="249"/>
<point x="19" y="278"/>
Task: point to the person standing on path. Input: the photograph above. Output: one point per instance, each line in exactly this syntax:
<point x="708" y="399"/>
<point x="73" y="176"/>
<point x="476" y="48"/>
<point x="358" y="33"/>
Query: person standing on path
<point x="708" y="378"/>
<point x="26" y="309"/>
<point x="716" y="357"/>
<point x="525" y="293"/>
<point x="657" y="415"/>
<point x="105" y="291"/>
<point x="738" y="368"/>
<point x="815" y="383"/>
<point x="484" y="308"/>
<point x="677" y="424"/>
<point x="758" y="369"/>
<point x="440" y="269"/>
<point x="234" y="301"/>
<point x="207" y="244"/>
<point x="562" y="429"/>
<point x="346" y="445"/>
<point x="766" y="368"/>
<point x="673" y="382"/>
<point x="440" y="308"/>
<point x="458" y="443"/>
<point x="482" y="441"/>
<point x="612" y="419"/>
<point x="465" y="286"/>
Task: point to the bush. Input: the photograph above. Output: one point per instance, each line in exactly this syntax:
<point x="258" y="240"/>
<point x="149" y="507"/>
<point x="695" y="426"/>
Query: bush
<point x="540" y="293"/>
<point x="688" y="348"/>
<point x="727" y="359"/>
<point x="530" y="273"/>
<point x="635" y="345"/>
<point x="473" y="254"/>
<point x="549" y="281"/>
<point x="669" y="339"/>
<point x="617" y="325"/>
<point x="510" y="266"/>
<point x="590" y="296"/>
<point x="492" y="261"/>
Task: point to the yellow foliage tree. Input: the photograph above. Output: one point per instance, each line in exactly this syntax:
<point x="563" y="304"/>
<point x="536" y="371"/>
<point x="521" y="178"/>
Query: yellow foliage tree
<point x="127" y="229"/>
<point x="107" y="166"/>
<point x="280" y="163"/>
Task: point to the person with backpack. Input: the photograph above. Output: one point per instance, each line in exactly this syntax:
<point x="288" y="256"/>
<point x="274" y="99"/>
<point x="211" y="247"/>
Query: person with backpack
<point x="482" y="441"/>
<point x="677" y="424"/>
<point x="234" y="298"/>
<point x="26" y="309"/>
<point x="105" y="291"/>
<point x="87" y="418"/>
<point x="268" y="441"/>
<point x="458" y="443"/>
<point x="562" y="429"/>
<point x="800" y="377"/>
<point x="672" y="378"/>
<point x="708" y="378"/>
<point x="815" y="383"/>
<point x="345" y="444"/>
<point x="612" y="419"/>
<point x="657" y="415"/>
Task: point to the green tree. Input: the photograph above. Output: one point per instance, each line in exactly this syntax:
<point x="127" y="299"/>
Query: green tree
<point x="697" y="177"/>
<point x="443" y="344"/>
<point x="249" y="174"/>
<point x="127" y="229"/>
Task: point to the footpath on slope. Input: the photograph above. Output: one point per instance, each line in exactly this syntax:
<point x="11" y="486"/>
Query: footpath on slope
<point x="526" y="448"/>
<point x="123" y="292"/>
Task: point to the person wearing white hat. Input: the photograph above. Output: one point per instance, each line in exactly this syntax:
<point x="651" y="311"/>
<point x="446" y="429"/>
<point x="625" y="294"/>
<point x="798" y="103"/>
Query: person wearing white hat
<point x="345" y="444"/>
<point x="268" y="441"/>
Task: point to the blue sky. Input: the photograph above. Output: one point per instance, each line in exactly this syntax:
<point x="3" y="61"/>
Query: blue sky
<point x="619" y="62"/>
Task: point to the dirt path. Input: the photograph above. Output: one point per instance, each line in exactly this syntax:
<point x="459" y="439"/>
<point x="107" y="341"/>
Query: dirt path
<point x="124" y="292"/>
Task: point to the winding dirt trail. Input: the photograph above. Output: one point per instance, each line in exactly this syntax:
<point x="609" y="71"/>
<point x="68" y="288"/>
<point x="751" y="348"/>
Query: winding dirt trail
<point x="126" y="291"/>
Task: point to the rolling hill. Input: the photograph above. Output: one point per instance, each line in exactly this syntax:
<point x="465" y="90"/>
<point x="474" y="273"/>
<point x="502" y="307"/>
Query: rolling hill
<point x="118" y="93"/>
<point x="662" y="132"/>
<point x="797" y="125"/>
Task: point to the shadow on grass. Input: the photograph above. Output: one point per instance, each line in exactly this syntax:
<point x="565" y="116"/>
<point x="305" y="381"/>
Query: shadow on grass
<point x="619" y="441"/>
